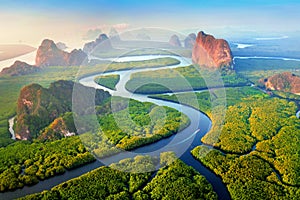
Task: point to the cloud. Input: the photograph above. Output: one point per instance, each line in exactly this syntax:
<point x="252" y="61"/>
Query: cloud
<point x="106" y="27"/>
<point x="121" y="27"/>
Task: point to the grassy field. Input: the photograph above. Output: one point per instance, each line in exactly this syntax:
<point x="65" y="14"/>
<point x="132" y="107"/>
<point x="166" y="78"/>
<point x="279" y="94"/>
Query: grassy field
<point x="182" y="79"/>
<point x="158" y="62"/>
<point x="255" y="69"/>
<point x="139" y="51"/>
<point x="109" y="81"/>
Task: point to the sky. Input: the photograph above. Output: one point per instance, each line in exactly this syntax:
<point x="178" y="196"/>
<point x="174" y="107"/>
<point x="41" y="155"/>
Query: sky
<point x="29" y="22"/>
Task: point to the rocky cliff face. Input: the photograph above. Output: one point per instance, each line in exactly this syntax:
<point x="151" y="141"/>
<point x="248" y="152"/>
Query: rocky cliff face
<point x="19" y="68"/>
<point x="174" y="41"/>
<point x="37" y="107"/>
<point x="286" y="82"/>
<point x="102" y="43"/>
<point x="190" y="40"/>
<point x="211" y="52"/>
<point x="48" y="54"/>
<point x="61" y="127"/>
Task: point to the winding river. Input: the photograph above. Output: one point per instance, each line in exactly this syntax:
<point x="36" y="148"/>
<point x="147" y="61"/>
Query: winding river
<point x="181" y="143"/>
<point x="186" y="139"/>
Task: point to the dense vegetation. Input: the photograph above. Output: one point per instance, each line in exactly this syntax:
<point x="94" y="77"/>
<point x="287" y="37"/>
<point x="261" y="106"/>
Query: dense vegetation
<point x="174" y="181"/>
<point x="287" y="95"/>
<point x="25" y="163"/>
<point x="248" y="176"/>
<point x="109" y="81"/>
<point x="258" y="142"/>
<point x="181" y="79"/>
<point x="177" y="181"/>
<point x="130" y="126"/>
<point x="248" y="122"/>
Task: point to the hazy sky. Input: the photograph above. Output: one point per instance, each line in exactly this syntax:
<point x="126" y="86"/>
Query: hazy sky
<point x="31" y="21"/>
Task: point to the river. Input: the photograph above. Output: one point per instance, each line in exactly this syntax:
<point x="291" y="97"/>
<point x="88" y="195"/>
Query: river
<point x="265" y="58"/>
<point x="181" y="143"/>
<point x="185" y="140"/>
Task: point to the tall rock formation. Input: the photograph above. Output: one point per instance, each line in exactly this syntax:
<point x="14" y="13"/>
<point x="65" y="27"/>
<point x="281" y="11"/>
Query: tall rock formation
<point x="190" y="40"/>
<point x="48" y="54"/>
<point x="37" y="106"/>
<point x="286" y="82"/>
<point x="211" y="52"/>
<point x="174" y="41"/>
<point x="102" y="43"/>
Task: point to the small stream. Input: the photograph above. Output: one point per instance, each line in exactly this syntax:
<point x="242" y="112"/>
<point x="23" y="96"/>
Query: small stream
<point x="11" y="127"/>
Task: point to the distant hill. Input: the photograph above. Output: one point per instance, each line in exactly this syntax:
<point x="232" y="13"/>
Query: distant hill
<point x="175" y="41"/>
<point x="190" y="40"/>
<point x="286" y="82"/>
<point x="48" y="54"/>
<point x="19" y="68"/>
<point x="102" y="44"/>
<point x="38" y="107"/>
<point x="114" y="35"/>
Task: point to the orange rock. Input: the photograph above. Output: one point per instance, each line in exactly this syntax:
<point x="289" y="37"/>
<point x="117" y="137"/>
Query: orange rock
<point x="211" y="52"/>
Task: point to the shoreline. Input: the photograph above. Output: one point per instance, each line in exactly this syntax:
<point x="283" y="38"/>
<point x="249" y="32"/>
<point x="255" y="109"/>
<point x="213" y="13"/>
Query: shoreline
<point x="10" y="51"/>
<point x="27" y="57"/>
